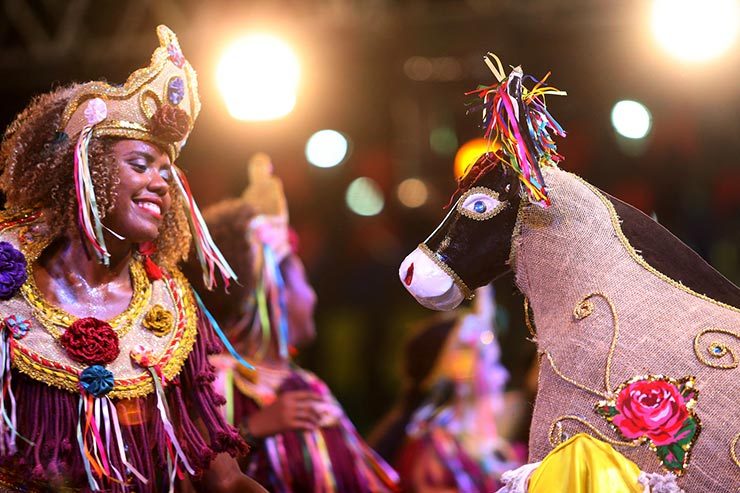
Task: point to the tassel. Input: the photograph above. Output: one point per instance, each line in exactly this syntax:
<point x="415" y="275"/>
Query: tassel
<point x="11" y="327"/>
<point x="99" y="431"/>
<point x="153" y="271"/>
<point x="87" y="206"/>
<point x="517" y="120"/>
<point x="209" y="255"/>
<point x="175" y="452"/>
<point x="277" y="290"/>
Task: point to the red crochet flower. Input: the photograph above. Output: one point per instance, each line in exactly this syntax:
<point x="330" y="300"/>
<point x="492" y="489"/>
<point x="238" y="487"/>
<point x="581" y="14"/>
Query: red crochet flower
<point x="91" y="341"/>
<point x="652" y="408"/>
<point x="169" y="123"/>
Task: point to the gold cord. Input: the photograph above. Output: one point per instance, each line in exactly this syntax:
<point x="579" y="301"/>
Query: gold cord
<point x="716" y="349"/>
<point x="557" y="424"/>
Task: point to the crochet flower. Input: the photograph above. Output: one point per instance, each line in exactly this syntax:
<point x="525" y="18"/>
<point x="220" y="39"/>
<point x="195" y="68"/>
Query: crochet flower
<point x="12" y="270"/>
<point x="170" y="124"/>
<point x="158" y="320"/>
<point x="96" y="111"/>
<point x="17" y="327"/>
<point x="142" y="355"/>
<point x="176" y="90"/>
<point x="91" y="341"/>
<point x="96" y="380"/>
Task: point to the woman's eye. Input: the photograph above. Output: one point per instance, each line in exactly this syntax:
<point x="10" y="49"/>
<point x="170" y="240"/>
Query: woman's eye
<point x="138" y="166"/>
<point x="166" y="174"/>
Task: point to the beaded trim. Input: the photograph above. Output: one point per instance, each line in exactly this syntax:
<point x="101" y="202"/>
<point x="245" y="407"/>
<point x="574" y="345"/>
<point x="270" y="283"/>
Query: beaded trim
<point x="484" y="216"/>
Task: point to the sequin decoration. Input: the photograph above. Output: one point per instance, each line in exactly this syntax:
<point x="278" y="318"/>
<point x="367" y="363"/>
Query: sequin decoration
<point x="175" y="90"/>
<point x="657" y="410"/>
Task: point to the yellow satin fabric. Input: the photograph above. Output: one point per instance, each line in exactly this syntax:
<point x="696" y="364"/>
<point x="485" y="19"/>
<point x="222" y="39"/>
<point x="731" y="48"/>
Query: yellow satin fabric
<point x="584" y="464"/>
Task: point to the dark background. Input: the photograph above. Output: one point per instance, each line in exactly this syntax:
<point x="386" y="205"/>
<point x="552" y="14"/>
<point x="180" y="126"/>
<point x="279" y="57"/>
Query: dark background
<point x="355" y="79"/>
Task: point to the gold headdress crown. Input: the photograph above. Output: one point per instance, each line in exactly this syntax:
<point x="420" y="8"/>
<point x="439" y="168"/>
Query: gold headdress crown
<point x="158" y="103"/>
<point x="266" y="196"/>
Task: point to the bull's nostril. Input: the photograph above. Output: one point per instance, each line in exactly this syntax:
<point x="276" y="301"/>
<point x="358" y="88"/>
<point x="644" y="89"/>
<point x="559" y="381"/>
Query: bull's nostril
<point x="409" y="275"/>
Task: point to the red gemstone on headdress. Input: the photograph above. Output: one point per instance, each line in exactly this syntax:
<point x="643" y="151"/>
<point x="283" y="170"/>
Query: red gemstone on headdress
<point x="176" y="55"/>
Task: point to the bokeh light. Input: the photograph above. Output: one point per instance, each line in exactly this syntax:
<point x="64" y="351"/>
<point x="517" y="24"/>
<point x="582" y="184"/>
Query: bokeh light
<point x="364" y="197"/>
<point x="443" y="141"/>
<point x="327" y="148"/>
<point x="469" y="153"/>
<point x="258" y="77"/>
<point x="631" y="119"/>
<point x="412" y="192"/>
<point x="696" y="31"/>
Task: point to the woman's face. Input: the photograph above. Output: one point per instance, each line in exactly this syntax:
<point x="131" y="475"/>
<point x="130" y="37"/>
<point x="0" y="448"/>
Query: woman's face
<point x="145" y="174"/>
<point x="300" y="300"/>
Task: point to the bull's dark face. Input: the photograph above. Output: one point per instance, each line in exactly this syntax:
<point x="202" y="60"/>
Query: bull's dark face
<point x="470" y="247"/>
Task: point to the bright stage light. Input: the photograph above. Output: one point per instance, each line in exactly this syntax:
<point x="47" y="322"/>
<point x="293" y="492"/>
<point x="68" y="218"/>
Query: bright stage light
<point x="326" y="148"/>
<point x="631" y="119"/>
<point x="364" y="197"/>
<point x="696" y="31"/>
<point x="469" y="153"/>
<point x="258" y="77"/>
<point x="412" y="192"/>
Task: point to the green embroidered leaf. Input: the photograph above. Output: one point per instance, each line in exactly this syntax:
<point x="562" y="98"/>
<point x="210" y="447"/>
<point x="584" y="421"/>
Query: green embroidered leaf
<point x="687" y="432"/>
<point x="672" y="457"/>
<point x="605" y="410"/>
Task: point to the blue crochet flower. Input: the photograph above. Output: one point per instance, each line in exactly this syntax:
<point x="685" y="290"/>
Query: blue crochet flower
<point x="176" y="90"/>
<point x="96" y="380"/>
<point x="12" y="270"/>
<point x="17" y="326"/>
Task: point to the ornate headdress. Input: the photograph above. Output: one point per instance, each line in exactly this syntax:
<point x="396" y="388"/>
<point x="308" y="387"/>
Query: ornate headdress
<point x="269" y="237"/>
<point x="158" y="104"/>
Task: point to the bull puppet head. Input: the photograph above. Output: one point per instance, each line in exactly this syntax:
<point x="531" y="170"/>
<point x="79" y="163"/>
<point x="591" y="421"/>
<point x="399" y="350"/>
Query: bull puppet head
<point x="471" y="246"/>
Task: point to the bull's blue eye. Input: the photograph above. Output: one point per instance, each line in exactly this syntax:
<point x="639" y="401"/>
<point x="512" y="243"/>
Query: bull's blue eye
<point x="479" y="206"/>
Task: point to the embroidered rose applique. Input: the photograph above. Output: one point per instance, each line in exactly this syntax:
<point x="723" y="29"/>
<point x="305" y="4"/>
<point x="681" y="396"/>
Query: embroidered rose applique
<point x="658" y="410"/>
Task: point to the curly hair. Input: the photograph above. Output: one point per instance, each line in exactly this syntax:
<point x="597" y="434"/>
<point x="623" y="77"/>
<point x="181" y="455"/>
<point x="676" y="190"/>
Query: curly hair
<point x="228" y="222"/>
<point x="37" y="172"/>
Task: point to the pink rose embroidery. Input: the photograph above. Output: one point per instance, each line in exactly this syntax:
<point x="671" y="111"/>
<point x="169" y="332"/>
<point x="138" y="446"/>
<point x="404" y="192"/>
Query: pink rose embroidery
<point x="660" y="410"/>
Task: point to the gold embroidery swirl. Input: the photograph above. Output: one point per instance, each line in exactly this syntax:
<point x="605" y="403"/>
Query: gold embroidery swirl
<point x="586" y="302"/>
<point x="557" y="426"/>
<point x="733" y="450"/>
<point x="716" y="349"/>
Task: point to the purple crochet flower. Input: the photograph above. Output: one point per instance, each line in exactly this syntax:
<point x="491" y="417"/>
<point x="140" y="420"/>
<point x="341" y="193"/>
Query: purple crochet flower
<point x="176" y="90"/>
<point x="12" y="270"/>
